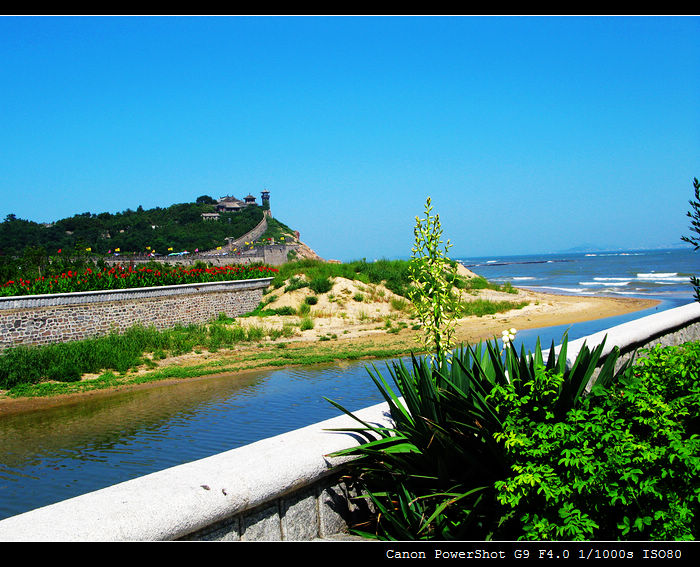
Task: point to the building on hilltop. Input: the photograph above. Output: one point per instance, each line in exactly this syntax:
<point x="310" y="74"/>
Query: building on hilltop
<point x="230" y="204"/>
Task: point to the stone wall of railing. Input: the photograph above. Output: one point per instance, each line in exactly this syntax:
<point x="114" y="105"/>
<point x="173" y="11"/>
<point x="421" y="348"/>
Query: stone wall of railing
<point x="60" y="317"/>
<point x="281" y="488"/>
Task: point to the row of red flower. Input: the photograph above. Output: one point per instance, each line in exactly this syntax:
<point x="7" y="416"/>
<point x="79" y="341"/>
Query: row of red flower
<point x="119" y="277"/>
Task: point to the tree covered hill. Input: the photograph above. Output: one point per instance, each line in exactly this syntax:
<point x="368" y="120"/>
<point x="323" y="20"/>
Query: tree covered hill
<point x="178" y="226"/>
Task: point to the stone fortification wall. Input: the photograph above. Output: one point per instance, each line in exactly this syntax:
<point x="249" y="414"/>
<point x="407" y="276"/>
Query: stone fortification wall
<point x="251" y="235"/>
<point x="44" y="319"/>
<point x="271" y="254"/>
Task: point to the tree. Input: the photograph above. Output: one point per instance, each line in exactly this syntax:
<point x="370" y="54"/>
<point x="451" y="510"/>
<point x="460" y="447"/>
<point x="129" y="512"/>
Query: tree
<point x="694" y="215"/>
<point x="206" y="200"/>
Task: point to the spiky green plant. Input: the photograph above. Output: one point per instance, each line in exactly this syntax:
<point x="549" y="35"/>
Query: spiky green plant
<point x="432" y="474"/>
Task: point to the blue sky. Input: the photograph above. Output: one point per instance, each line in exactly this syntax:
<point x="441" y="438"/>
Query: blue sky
<point x="530" y="134"/>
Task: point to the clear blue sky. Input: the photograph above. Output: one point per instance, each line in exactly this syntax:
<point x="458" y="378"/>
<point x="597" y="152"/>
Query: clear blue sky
<point x="530" y="134"/>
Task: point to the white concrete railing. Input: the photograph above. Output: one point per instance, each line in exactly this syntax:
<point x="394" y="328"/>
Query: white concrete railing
<point x="282" y="487"/>
<point x="669" y="327"/>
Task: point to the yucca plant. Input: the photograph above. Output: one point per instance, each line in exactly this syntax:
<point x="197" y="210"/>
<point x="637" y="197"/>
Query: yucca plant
<point x="432" y="475"/>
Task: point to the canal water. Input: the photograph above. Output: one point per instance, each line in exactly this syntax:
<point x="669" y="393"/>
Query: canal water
<point x="55" y="454"/>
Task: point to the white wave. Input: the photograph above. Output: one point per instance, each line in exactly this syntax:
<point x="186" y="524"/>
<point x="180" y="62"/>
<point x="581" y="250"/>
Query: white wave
<point x="566" y="289"/>
<point x="522" y="278"/>
<point x="607" y="283"/>
<point x="654" y="275"/>
<point x="646" y="279"/>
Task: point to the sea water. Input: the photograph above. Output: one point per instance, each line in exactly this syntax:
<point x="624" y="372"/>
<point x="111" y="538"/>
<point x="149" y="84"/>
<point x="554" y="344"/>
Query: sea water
<point x="662" y="274"/>
<point x="56" y="454"/>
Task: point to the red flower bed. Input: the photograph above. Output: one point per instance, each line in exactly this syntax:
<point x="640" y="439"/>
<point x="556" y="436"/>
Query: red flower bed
<point x="119" y="277"/>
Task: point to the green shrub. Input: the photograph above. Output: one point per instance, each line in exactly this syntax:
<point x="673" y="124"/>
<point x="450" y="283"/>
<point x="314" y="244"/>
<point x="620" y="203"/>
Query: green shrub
<point x="311" y="300"/>
<point x="320" y="285"/>
<point x="306" y="323"/>
<point x="622" y="465"/>
<point x="255" y="333"/>
<point x="260" y="311"/>
<point x="296" y="283"/>
<point x="286" y="310"/>
<point x="359" y="297"/>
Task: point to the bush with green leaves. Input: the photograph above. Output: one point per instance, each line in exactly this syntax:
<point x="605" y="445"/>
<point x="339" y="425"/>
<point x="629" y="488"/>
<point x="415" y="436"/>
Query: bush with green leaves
<point x="432" y="274"/>
<point x="622" y="465"/>
<point x="492" y="445"/>
<point x="320" y="285"/>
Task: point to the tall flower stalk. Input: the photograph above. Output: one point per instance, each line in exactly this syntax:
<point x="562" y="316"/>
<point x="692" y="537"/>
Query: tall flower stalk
<point x="432" y="274"/>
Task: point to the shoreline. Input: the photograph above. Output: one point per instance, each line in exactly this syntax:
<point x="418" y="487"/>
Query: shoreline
<point x="353" y="342"/>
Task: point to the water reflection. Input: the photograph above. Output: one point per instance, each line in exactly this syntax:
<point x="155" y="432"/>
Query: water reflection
<point x="106" y="421"/>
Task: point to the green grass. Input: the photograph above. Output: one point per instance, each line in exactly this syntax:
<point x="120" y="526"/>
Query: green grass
<point x="393" y="272"/>
<point x="479" y="282"/>
<point x="67" y="362"/>
<point x="481" y="307"/>
<point x="284" y="355"/>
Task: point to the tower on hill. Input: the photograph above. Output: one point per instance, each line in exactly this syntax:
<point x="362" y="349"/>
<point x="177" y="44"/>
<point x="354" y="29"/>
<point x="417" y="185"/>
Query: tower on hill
<point x="265" y="197"/>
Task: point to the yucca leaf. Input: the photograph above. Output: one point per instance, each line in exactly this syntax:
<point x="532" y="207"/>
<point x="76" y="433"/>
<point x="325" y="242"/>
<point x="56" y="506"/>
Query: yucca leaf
<point x="452" y="499"/>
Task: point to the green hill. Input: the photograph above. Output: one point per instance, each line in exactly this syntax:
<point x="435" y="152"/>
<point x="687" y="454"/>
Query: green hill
<point x="178" y="226"/>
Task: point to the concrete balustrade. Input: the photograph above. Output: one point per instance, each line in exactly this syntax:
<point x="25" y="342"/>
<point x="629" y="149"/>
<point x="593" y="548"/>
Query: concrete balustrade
<point x="281" y="488"/>
<point x="669" y="327"/>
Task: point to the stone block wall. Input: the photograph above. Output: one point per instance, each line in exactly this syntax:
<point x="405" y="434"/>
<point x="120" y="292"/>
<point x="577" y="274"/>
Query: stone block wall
<point x="319" y="511"/>
<point x="45" y="319"/>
